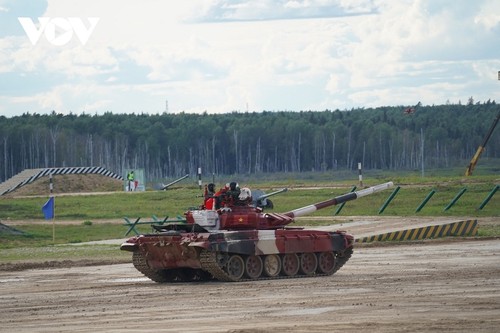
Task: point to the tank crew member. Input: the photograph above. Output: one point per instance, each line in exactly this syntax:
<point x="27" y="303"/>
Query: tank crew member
<point x="209" y="196"/>
<point x="220" y="197"/>
<point x="245" y="197"/>
<point x="233" y="193"/>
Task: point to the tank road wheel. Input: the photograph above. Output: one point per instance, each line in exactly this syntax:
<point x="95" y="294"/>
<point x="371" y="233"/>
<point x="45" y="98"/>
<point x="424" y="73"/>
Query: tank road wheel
<point x="272" y="265"/>
<point x="308" y="263"/>
<point x="235" y="267"/>
<point x="253" y="267"/>
<point x="326" y="263"/>
<point x="291" y="264"/>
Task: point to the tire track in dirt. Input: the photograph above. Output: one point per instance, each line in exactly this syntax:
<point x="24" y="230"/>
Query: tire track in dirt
<point x="423" y="287"/>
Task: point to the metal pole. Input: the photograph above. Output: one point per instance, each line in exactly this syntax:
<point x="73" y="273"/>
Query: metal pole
<point x="490" y="195"/>
<point x="174" y="182"/>
<point x="389" y="199"/>
<point x="199" y="177"/>
<point x="51" y="189"/>
<point x="339" y="208"/>
<point x="360" y="175"/>
<point x="51" y="186"/>
<point x="427" y="198"/>
<point x="455" y="199"/>
<point x="422" y="150"/>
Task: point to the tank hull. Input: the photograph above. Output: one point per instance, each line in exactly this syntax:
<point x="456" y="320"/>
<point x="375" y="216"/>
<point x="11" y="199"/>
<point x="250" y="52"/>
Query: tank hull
<point x="240" y="242"/>
<point x="239" y="255"/>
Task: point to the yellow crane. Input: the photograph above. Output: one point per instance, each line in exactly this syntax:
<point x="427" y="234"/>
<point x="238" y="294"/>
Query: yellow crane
<point x="481" y="148"/>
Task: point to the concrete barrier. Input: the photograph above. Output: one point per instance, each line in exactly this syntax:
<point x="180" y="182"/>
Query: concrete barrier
<point x="460" y="228"/>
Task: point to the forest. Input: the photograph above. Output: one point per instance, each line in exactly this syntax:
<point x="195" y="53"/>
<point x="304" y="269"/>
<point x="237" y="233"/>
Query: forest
<point x="172" y="145"/>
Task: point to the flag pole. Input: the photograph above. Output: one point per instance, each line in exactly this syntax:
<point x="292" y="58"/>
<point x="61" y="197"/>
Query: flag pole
<point x="51" y="188"/>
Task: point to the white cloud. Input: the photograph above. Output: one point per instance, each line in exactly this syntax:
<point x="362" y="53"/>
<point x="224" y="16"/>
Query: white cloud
<point x="271" y="55"/>
<point x="489" y="15"/>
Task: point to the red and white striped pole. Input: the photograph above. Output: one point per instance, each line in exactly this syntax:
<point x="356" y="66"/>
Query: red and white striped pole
<point x="338" y="200"/>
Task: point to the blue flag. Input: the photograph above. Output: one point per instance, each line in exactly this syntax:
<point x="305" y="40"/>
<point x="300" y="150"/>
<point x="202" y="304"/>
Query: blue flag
<point x="48" y="209"/>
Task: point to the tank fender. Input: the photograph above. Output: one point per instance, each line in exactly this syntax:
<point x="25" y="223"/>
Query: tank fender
<point x="349" y="239"/>
<point x="246" y="247"/>
<point x="130" y="245"/>
<point x="340" y="242"/>
<point x="241" y="242"/>
<point x="203" y="245"/>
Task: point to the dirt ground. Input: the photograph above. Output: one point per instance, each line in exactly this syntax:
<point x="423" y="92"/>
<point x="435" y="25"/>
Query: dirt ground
<point x="422" y="287"/>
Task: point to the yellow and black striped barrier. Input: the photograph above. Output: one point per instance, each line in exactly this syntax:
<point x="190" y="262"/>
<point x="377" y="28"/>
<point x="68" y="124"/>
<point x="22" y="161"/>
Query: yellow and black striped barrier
<point x="460" y="228"/>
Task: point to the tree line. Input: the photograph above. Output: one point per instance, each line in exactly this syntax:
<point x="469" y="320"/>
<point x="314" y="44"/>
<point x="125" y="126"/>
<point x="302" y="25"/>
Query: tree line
<point x="172" y="145"/>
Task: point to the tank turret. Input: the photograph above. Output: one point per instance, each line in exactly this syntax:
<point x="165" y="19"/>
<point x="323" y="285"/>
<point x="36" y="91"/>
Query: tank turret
<point x="235" y="216"/>
<point x="240" y="242"/>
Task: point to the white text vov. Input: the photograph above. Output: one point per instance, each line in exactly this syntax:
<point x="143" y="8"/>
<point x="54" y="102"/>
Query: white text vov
<point x="58" y="30"/>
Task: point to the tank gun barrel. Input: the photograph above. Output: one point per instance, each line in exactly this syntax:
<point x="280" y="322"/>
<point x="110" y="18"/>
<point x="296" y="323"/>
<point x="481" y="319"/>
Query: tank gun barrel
<point x="164" y="187"/>
<point x="265" y="196"/>
<point x="338" y="200"/>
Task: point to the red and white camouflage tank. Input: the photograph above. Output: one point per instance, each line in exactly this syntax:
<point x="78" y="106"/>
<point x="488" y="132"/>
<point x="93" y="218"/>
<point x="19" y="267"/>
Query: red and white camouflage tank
<point x="236" y="241"/>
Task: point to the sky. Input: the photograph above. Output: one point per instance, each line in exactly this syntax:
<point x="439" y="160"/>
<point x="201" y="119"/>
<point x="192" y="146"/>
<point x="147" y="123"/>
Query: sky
<point x="219" y="56"/>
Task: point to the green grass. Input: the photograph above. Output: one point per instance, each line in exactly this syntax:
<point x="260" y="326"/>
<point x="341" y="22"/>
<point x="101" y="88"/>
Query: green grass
<point x="38" y="244"/>
<point x="404" y="203"/>
<point x="489" y="231"/>
<point x="107" y="209"/>
<point x="107" y="206"/>
<point x="176" y="202"/>
<point x="42" y="234"/>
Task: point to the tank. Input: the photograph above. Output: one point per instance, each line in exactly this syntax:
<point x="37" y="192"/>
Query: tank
<point x="260" y="199"/>
<point x="236" y="241"/>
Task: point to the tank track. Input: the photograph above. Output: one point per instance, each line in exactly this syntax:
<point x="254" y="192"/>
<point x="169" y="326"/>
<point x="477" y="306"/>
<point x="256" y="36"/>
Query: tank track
<point x="142" y="266"/>
<point x="341" y="260"/>
<point x="168" y="275"/>
<point x="210" y="264"/>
